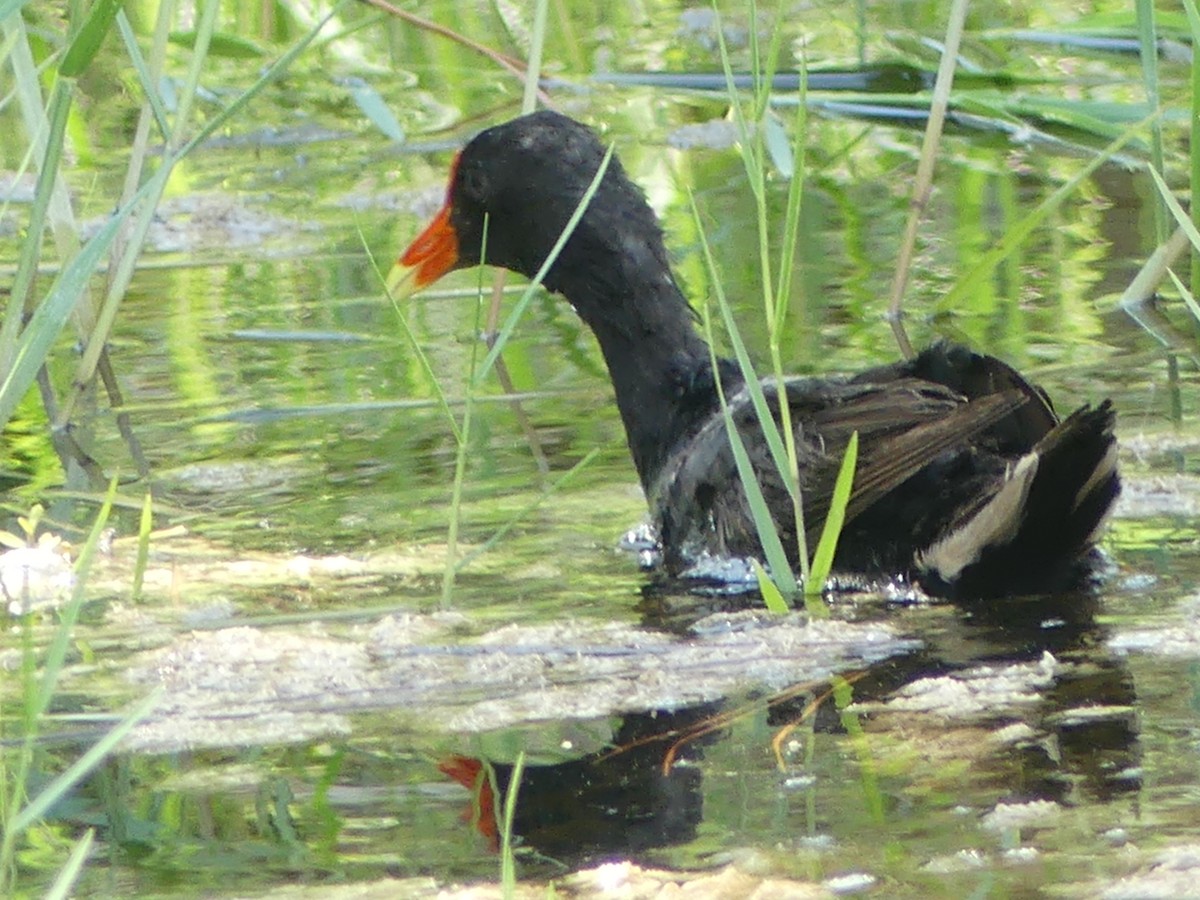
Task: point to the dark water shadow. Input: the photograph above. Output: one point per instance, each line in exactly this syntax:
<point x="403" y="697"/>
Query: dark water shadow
<point x="1079" y="738"/>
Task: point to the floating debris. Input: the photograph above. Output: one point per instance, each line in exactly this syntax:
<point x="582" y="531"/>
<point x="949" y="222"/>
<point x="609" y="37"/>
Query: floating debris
<point x="1014" y="816"/>
<point x="245" y="686"/>
<point x="1178" y="640"/>
<point x="35" y="578"/>
<point x="986" y="690"/>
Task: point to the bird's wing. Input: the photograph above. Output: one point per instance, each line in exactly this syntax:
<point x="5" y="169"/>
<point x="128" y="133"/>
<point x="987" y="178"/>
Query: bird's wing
<point x="902" y="426"/>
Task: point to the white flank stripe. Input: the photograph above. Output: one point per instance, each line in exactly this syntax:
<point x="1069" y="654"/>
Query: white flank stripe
<point x="996" y="523"/>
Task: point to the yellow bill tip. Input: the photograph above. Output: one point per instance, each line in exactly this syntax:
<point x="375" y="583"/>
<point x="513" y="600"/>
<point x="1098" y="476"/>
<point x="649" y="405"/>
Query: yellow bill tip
<point x="402" y="281"/>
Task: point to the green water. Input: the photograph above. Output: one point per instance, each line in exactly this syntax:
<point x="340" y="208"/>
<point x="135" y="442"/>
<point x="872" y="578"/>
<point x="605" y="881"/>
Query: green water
<point x="287" y="418"/>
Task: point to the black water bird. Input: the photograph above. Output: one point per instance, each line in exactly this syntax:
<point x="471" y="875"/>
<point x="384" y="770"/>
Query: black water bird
<point x="967" y="481"/>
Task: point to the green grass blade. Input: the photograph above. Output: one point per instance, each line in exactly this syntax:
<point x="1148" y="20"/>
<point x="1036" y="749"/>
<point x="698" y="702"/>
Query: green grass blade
<point x="87" y="41"/>
<point x="781" y="438"/>
<point x="31" y="248"/>
<point x="1193" y="19"/>
<point x="10" y="8"/>
<point x="64" y="882"/>
<point x="533" y="69"/>
<point x="460" y="456"/>
<point x="120" y="279"/>
<point x="787" y="262"/>
<point x="206" y="24"/>
<point x="414" y="345"/>
<point x="423" y="362"/>
<point x="754" y="386"/>
<point x="1188" y="226"/>
<point x="834" y="520"/>
<point x="143" y="547"/>
<point x="770" y="429"/>
<point x="764" y="523"/>
<point x="843" y="698"/>
<point x="1172" y="205"/>
<point x="795" y="197"/>
<point x="224" y="44"/>
<point x="1189" y="299"/>
<point x="372" y="105"/>
<point x="51" y="315"/>
<point x="149" y="88"/>
<point x="58" y="788"/>
<point x="44" y="124"/>
<point x="923" y="185"/>
<point x="779" y="146"/>
<point x="1148" y="42"/>
<point x="772" y="596"/>
<point x="751" y="152"/>
<point x="56" y="653"/>
<point x="508" y="867"/>
<point x="37" y="696"/>
<point x="522" y="514"/>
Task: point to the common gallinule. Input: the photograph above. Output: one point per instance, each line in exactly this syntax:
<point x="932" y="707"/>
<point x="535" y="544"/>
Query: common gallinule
<point x="967" y="482"/>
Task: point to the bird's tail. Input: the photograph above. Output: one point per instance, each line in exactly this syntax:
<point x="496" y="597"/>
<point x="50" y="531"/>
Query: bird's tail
<point x="1029" y="535"/>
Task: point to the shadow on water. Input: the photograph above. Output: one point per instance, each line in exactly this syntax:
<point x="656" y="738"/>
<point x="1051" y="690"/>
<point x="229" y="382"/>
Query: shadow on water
<point x="1032" y="669"/>
<point x="619" y="803"/>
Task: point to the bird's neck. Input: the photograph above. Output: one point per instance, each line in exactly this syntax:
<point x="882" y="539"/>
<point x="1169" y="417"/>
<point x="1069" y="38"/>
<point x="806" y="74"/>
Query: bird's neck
<point x="659" y="365"/>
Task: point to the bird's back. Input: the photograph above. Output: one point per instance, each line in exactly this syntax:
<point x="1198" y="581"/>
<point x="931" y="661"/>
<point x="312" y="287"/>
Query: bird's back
<point x="940" y="436"/>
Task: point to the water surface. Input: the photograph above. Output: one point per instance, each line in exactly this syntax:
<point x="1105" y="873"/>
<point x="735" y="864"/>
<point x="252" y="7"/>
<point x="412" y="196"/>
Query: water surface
<point x="1046" y="745"/>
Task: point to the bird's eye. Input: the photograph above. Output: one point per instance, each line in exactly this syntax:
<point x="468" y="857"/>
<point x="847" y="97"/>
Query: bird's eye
<point x="473" y="183"/>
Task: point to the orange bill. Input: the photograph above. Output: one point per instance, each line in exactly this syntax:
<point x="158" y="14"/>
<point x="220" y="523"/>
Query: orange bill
<point x="428" y="258"/>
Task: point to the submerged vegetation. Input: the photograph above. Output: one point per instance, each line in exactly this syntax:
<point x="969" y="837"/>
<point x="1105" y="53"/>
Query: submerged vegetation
<point x="129" y="345"/>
